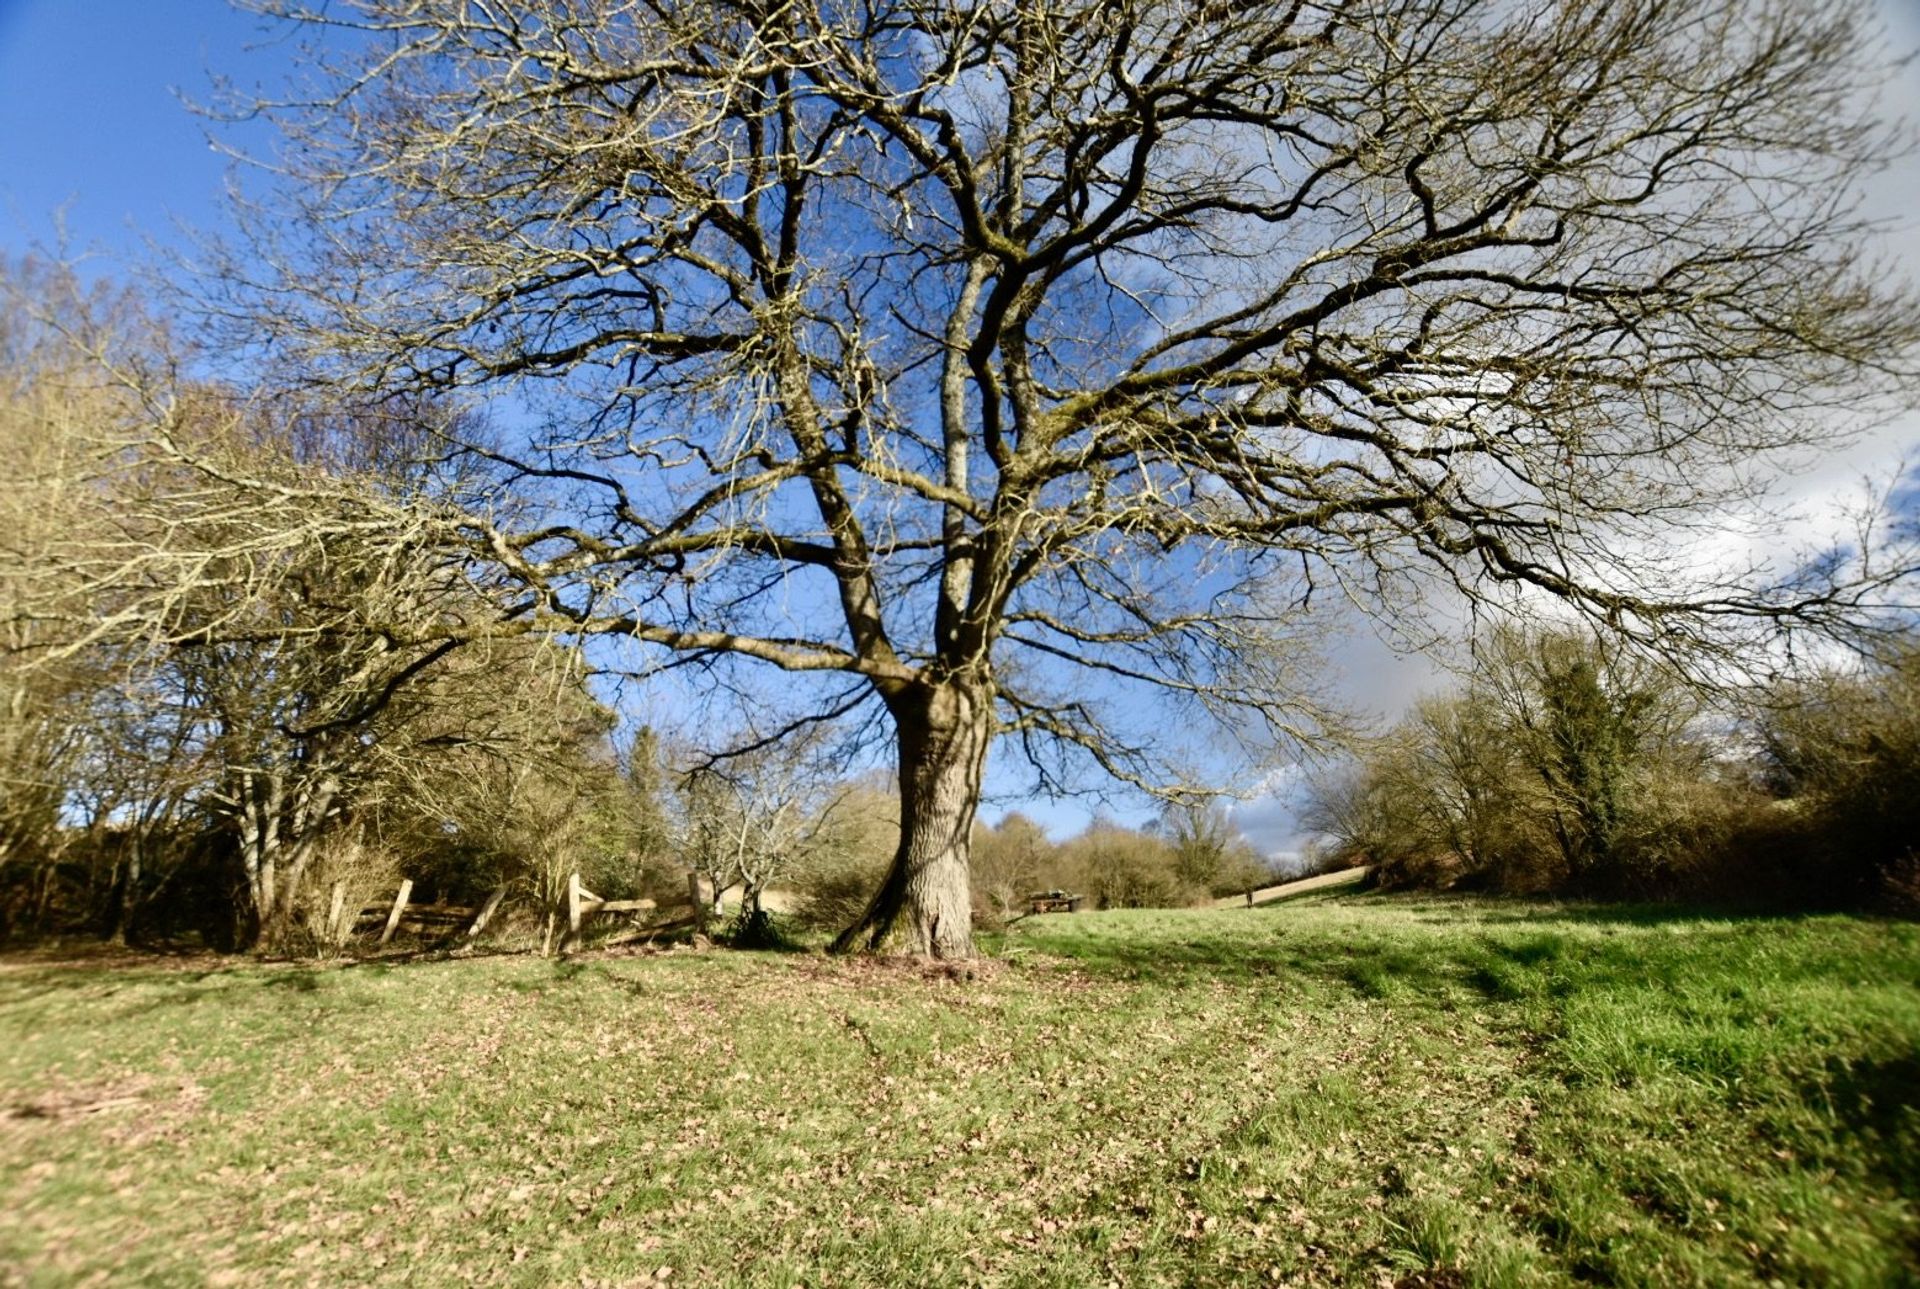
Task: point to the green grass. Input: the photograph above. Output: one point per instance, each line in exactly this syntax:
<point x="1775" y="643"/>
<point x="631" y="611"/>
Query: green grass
<point x="1344" y="1090"/>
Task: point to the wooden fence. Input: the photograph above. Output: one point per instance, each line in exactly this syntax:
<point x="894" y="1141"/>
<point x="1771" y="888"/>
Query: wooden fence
<point x="461" y="922"/>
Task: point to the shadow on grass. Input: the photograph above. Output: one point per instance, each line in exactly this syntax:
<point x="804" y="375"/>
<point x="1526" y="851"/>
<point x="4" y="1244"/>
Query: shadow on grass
<point x="1521" y="910"/>
<point x="570" y="971"/>
<point x="166" y="980"/>
<point x="1464" y="952"/>
<point x="1495" y="909"/>
<point x="1632" y="915"/>
<point x="1373" y="969"/>
<point x="1876" y="1102"/>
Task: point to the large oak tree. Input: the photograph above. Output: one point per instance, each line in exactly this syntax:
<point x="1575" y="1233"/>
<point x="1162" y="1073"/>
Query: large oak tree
<point x="950" y="349"/>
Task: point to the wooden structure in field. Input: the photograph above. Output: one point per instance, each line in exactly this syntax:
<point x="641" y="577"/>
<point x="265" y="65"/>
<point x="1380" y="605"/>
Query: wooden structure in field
<point x="1055" y="902"/>
<point x="455" y="921"/>
<point x="583" y="904"/>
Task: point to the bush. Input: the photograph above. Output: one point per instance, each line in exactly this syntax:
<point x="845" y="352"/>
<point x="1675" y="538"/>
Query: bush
<point x="835" y="888"/>
<point x="1118" y="868"/>
<point x="1844" y="749"/>
<point x="757" y="929"/>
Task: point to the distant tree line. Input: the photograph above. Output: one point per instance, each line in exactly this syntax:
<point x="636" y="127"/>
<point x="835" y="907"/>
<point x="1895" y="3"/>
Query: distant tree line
<point x="1568" y="764"/>
<point x="1189" y="854"/>
<point x="236" y="672"/>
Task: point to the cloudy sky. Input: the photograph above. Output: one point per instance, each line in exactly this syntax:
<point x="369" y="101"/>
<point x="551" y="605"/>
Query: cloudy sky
<point x="96" y="146"/>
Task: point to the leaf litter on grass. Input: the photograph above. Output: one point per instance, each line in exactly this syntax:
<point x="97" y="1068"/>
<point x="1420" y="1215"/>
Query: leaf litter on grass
<point x="1208" y="1097"/>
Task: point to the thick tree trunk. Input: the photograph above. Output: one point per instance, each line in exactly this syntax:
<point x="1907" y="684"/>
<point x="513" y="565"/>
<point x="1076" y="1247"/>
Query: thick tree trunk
<point x="257" y="798"/>
<point x="927" y="895"/>
<point x="275" y="856"/>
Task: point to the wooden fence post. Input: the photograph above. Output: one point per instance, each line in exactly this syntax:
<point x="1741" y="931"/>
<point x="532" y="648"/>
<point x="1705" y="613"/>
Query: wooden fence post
<point x="573" y="906"/>
<point x="486" y="912"/>
<point x="336" y="909"/>
<point x="699" y="904"/>
<point x="399" y="907"/>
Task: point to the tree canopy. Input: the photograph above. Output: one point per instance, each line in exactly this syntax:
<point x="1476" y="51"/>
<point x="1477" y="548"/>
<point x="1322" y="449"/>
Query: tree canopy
<point x="994" y="358"/>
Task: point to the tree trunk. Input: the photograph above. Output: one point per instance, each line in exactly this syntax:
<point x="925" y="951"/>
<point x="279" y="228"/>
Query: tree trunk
<point x="927" y="895"/>
<point x="276" y="846"/>
<point x="127" y="890"/>
<point x="258" y="796"/>
<point x="49" y="873"/>
<point x="698" y="900"/>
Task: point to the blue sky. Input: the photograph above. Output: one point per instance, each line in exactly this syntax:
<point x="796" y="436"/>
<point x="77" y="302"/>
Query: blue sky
<point x="90" y="120"/>
<point x="92" y="126"/>
<point x="96" y="145"/>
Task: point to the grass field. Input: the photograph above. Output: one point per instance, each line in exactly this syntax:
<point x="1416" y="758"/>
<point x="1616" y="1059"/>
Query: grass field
<point x="1353" y="1090"/>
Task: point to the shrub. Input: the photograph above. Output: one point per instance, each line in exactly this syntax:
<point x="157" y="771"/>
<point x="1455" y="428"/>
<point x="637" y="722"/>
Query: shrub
<point x="1845" y="749"/>
<point x="834" y="888"/>
<point x="1118" y="868"/>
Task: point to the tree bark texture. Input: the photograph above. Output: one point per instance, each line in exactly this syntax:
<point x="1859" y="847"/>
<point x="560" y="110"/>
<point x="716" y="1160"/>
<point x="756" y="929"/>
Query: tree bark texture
<point x="927" y="895"/>
<point x="275" y="857"/>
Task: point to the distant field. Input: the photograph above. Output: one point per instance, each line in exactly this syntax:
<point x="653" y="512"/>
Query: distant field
<point x="1345" y="1090"/>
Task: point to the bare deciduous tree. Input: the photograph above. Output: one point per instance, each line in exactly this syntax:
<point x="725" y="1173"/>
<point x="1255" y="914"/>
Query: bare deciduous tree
<point x="1586" y="724"/>
<point x="756" y="817"/>
<point x="1009" y="861"/>
<point x="50" y="404"/>
<point x="989" y="357"/>
<point x="1566" y="763"/>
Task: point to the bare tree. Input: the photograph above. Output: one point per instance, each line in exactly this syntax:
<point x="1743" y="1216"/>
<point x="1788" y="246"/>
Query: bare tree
<point x="224" y="595"/>
<point x="293" y="631"/>
<point x="1565" y="763"/>
<point x="235" y="605"/>
<point x="49" y="407"/>
<point x="1464" y="775"/>
<point x="1209" y="852"/>
<point x="145" y="767"/>
<point x="988" y="358"/>
<point x="1586" y="724"/>
<point x="1845" y="747"/>
<point x="1010" y="861"/>
<point x="755" y="817"/>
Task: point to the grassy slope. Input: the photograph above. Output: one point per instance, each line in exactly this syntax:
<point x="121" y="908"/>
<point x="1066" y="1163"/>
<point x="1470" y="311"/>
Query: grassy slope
<point x="1341" y="1091"/>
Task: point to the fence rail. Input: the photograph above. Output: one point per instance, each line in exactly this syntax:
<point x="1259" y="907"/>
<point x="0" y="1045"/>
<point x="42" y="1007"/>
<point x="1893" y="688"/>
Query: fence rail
<point x="465" y="920"/>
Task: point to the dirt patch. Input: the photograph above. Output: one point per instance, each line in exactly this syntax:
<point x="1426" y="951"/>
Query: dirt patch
<point x="143" y="1108"/>
<point x="879" y="968"/>
<point x="94" y="956"/>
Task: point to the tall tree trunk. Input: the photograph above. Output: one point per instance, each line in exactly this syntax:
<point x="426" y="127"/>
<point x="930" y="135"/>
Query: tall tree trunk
<point x="49" y="873"/>
<point x="927" y="895"/>
<point x="127" y="889"/>
<point x="309" y="818"/>
<point x="260" y="795"/>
